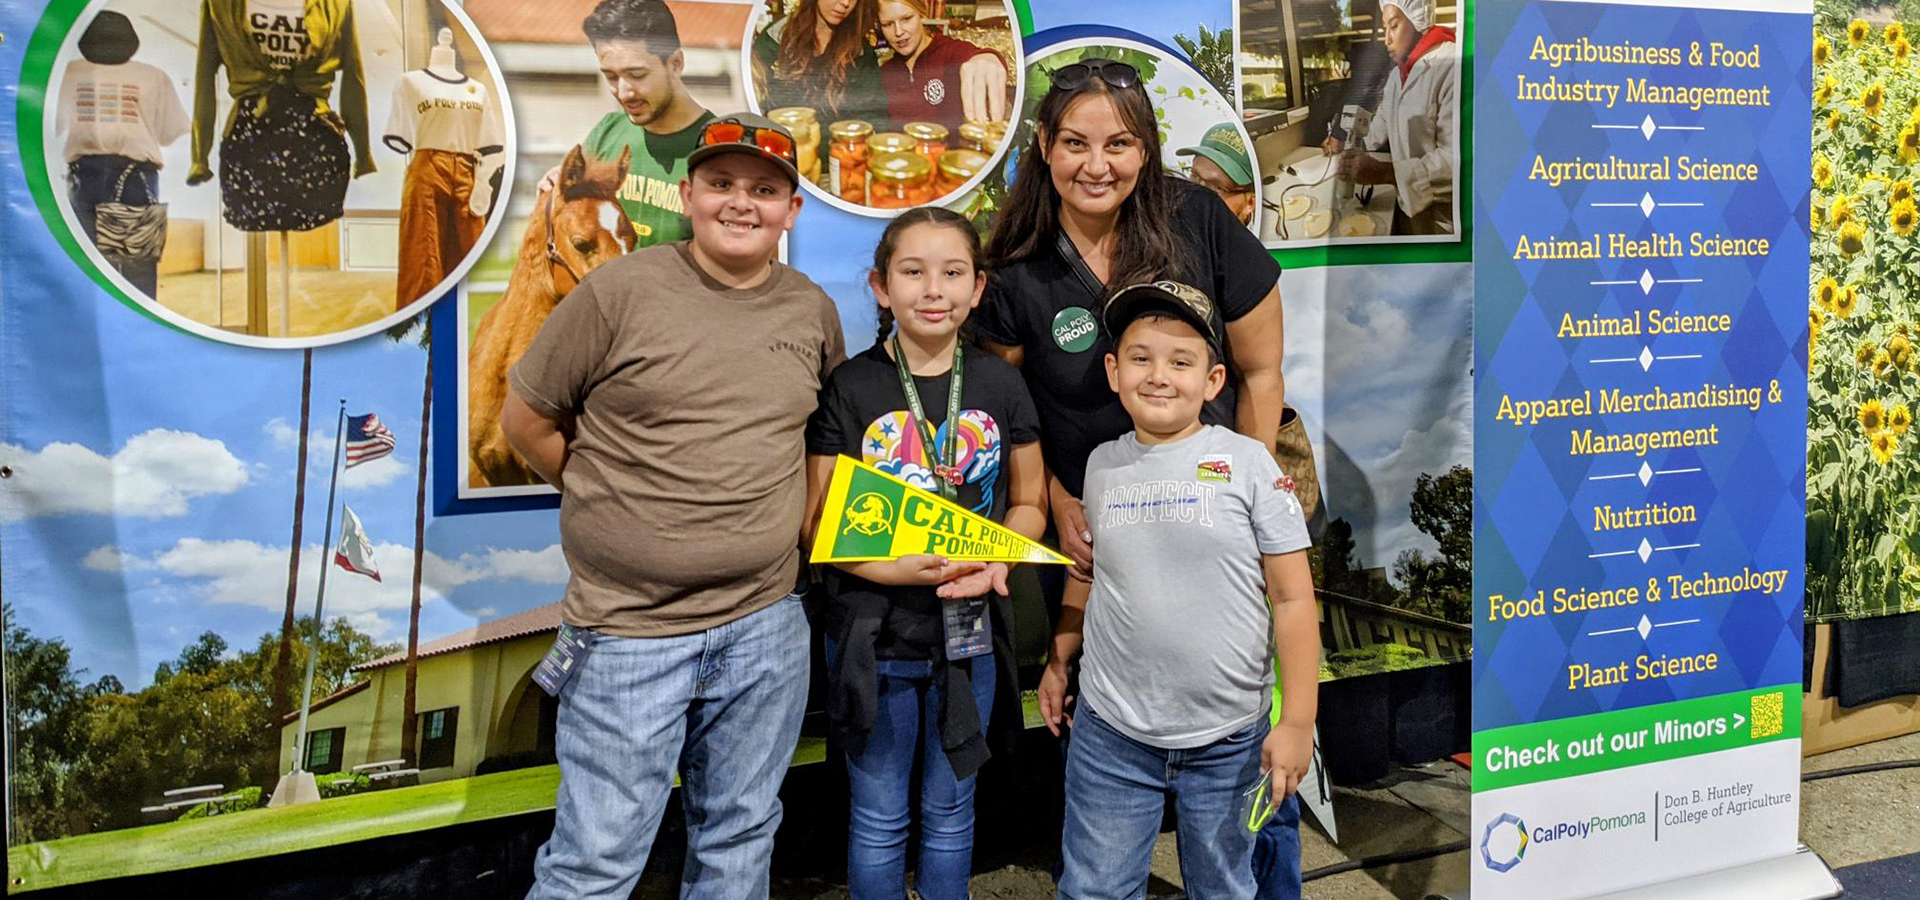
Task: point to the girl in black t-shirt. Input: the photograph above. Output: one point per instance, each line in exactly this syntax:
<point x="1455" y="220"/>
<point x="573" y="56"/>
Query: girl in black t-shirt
<point x="950" y="419"/>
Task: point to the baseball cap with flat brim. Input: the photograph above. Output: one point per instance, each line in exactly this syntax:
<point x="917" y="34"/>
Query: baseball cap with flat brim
<point x="1171" y="298"/>
<point x="748" y="133"/>
<point x="1223" y="145"/>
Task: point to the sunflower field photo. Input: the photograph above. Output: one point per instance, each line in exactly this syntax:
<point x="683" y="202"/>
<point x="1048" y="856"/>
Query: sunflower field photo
<point x="1863" y="465"/>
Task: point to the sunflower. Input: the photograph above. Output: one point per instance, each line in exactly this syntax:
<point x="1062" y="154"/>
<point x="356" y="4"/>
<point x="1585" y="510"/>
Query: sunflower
<point x="1872" y="416"/>
<point x="1901" y="190"/>
<point x="1884" y="443"/>
<point x="1899" y="419"/>
<point x="1883" y="366"/>
<point x="1852" y="240"/>
<point x="1894" y="34"/>
<point x="1833" y="120"/>
<point x="1815" y="319"/>
<point x="1863" y="354"/>
<point x="1822" y="51"/>
<point x="1824" y="92"/>
<point x="1910" y="144"/>
<point x="1903" y="217"/>
<point x="1900" y="50"/>
<point x="1873" y="99"/>
<point x="1857" y="32"/>
<point x="1822" y="170"/>
<point x="1827" y="293"/>
<point x="1843" y="305"/>
<point x="1841" y="212"/>
<point x="1900" y="350"/>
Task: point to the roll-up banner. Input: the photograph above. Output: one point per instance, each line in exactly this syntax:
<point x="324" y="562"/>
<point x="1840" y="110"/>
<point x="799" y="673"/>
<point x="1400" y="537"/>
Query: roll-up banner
<point x="1640" y="333"/>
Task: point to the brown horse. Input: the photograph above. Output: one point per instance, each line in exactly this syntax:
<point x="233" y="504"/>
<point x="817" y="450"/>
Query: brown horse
<point x="576" y="227"/>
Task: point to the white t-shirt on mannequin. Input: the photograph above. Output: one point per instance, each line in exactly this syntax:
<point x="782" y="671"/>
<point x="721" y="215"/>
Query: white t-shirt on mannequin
<point x="130" y="109"/>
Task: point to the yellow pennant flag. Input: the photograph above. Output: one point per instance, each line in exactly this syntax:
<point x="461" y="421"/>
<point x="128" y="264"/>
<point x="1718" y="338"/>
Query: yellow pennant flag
<point x="870" y="515"/>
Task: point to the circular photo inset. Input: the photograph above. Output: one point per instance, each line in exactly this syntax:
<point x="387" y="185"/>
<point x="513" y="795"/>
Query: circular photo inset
<point x="1201" y="138"/>
<point x="278" y="173"/>
<point x="894" y="103"/>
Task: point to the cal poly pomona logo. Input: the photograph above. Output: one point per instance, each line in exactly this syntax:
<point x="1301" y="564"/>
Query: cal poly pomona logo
<point x="1504" y="843"/>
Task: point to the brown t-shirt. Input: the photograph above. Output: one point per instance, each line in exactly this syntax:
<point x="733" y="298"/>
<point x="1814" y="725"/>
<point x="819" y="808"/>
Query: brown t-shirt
<point x="684" y="487"/>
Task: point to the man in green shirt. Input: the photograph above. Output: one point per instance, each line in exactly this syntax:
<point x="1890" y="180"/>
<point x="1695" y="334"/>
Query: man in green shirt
<point x="637" y="43"/>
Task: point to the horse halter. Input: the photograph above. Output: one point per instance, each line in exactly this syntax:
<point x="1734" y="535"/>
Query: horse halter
<point x="553" y="252"/>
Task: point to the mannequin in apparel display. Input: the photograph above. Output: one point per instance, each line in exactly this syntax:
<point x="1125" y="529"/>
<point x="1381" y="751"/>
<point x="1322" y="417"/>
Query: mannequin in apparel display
<point x="115" y="114"/>
<point x="284" y="156"/>
<point x="444" y="120"/>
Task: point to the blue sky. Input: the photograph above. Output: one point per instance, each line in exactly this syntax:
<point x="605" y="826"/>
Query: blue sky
<point x="1156" y="19"/>
<point x="153" y="484"/>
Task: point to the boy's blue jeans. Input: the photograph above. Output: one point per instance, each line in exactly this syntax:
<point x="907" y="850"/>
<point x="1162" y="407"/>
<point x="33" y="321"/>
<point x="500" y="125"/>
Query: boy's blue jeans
<point x="722" y="707"/>
<point x="1116" y="789"/>
<point x="906" y="726"/>
<point x="1276" y="854"/>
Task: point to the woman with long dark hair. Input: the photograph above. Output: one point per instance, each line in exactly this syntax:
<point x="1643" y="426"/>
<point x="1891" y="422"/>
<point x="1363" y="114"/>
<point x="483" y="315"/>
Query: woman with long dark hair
<point x="822" y="57"/>
<point x="1092" y="209"/>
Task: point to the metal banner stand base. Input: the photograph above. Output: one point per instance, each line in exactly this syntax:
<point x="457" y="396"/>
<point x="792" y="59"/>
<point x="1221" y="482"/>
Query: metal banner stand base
<point x="1801" y="875"/>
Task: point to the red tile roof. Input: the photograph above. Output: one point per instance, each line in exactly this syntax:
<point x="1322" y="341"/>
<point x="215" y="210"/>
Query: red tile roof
<point x="534" y="621"/>
<point x="558" y="21"/>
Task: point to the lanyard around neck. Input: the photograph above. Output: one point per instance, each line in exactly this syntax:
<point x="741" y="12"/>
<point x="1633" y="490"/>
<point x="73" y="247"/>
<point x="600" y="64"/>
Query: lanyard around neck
<point x="947" y="475"/>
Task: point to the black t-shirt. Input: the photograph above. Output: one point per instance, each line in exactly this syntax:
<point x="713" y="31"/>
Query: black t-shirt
<point x="863" y="414"/>
<point x="1036" y="304"/>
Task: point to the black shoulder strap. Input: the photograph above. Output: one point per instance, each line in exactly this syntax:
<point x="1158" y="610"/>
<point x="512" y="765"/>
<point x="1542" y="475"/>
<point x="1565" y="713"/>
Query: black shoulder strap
<point x="1080" y="268"/>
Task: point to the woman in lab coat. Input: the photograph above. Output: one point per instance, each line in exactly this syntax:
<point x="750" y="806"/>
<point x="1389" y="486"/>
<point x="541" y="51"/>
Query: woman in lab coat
<point x="1418" y="121"/>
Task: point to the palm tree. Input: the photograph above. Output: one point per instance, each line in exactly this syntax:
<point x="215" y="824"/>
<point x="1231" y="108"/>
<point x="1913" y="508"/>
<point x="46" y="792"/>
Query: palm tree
<point x="409" y="736"/>
<point x="283" y="661"/>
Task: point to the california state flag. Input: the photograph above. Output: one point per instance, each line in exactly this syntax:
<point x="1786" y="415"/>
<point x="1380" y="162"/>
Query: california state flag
<point x="354" y="552"/>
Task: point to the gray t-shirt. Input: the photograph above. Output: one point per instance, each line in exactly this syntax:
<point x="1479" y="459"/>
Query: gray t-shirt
<point x="1178" y="633"/>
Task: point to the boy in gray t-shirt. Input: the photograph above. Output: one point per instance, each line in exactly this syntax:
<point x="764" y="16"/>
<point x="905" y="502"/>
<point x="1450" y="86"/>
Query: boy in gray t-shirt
<point x="1195" y="527"/>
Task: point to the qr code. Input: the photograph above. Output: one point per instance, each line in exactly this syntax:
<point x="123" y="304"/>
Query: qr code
<point x="1769" y="714"/>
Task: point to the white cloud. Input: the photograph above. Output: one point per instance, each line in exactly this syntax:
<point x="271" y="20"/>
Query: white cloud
<point x="547" y="566"/>
<point x="154" y="475"/>
<point x="110" y="559"/>
<point x="377" y="474"/>
<point x="284" y="435"/>
<point x="248" y="573"/>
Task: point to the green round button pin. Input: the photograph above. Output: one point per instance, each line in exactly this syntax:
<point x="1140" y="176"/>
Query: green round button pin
<point x="1074" y="330"/>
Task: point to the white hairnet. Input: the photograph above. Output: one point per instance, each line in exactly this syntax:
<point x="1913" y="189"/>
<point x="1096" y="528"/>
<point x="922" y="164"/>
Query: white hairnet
<point x="1418" y="12"/>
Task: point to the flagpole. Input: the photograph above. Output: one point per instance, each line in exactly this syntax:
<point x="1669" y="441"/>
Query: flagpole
<point x="320" y="600"/>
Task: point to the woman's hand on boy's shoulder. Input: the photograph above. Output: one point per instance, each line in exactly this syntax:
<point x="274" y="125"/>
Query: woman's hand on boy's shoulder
<point x="1286" y="753"/>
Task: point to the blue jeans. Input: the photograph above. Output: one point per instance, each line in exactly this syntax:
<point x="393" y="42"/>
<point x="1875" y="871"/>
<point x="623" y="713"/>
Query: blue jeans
<point x="906" y="727"/>
<point x="721" y="706"/>
<point x="1116" y="790"/>
<point x="1276" y="854"/>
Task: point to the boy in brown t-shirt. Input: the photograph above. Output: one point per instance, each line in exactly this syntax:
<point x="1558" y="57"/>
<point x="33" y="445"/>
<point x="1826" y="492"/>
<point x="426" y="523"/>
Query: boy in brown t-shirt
<point x="667" y="397"/>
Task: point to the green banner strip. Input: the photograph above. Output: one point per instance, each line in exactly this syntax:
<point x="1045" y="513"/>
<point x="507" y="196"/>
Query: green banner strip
<point x="1563" y="748"/>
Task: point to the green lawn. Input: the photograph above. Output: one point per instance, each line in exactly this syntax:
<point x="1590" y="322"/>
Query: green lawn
<point x="263" y="832"/>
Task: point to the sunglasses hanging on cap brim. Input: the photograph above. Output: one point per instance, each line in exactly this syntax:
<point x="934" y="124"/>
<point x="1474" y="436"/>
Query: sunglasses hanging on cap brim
<point x="730" y="132"/>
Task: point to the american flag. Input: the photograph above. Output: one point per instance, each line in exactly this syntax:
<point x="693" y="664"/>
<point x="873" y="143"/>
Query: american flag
<point x="367" y="439"/>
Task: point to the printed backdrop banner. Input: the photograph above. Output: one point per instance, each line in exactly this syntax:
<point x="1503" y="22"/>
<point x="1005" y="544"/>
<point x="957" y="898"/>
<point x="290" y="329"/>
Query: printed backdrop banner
<point x="167" y="418"/>
<point x="1639" y="425"/>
